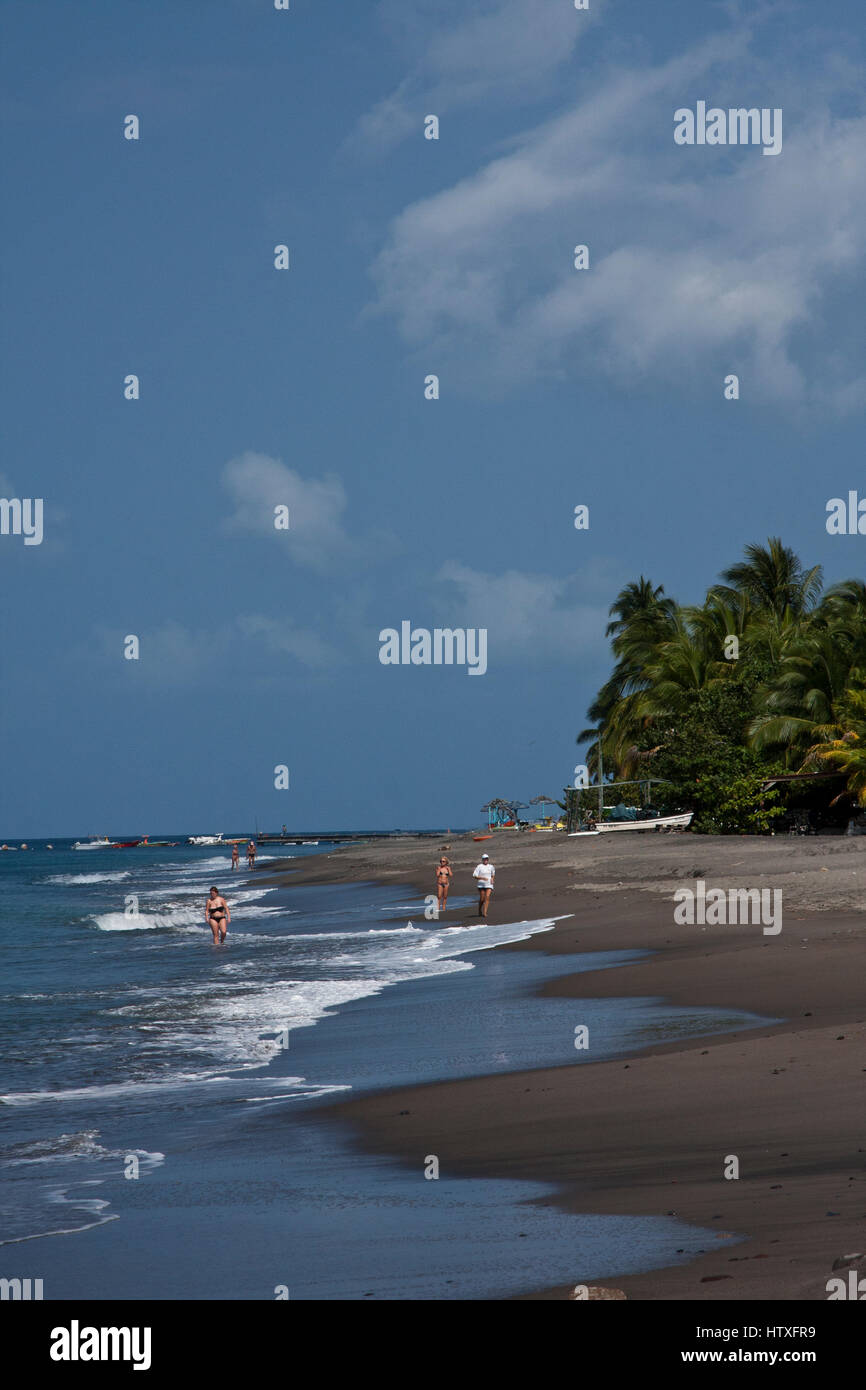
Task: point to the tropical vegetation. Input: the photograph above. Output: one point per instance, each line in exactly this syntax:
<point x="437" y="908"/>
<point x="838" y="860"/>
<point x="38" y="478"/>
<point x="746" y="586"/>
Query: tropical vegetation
<point x="765" y="678"/>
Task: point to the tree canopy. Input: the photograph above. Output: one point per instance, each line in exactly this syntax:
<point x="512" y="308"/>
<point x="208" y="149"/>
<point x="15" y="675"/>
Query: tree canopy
<point x="767" y="676"/>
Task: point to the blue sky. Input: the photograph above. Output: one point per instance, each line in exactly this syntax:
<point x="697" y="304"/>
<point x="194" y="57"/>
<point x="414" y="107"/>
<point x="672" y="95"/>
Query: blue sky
<point x="408" y="257"/>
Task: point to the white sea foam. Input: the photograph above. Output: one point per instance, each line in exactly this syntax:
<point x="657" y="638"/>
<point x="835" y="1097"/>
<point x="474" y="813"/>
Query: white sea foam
<point x="68" y="1147"/>
<point x="89" y="878"/>
<point x="233" y="1023"/>
<point x="361" y="935"/>
<point x="111" y="1091"/>
<point x="184" y="917"/>
<point x="181" y="916"/>
<point x="77" y="1157"/>
<point x="302" y="1091"/>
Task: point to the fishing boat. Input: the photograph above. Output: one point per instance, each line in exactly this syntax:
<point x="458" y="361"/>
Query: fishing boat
<point x="127" y="844"/>
<point x="98" y="842"/>
<point x="205" y="839"/>
<point x="678" y="822"/>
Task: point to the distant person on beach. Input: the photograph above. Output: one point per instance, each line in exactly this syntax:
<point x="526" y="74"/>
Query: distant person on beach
<point x="217" y="915"/>
<point x="251" y="853"/>
<point x="485" y="874"/>
<point x="236" y="858"/>
<point x="443" y="881"/>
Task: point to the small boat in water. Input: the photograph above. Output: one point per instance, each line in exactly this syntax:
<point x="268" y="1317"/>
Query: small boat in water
<point x="98" y="842"/>
<point x="205" y="839"/>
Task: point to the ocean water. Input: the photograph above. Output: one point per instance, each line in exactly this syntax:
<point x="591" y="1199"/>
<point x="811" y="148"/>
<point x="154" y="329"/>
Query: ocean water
<point x="160" y="1097"/>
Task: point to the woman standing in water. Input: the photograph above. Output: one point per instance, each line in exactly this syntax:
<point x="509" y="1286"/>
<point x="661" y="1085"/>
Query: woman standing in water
<point x="217" y="915"/>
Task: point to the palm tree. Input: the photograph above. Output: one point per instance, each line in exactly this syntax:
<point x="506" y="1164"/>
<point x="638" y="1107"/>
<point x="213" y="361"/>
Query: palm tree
<point x="642" y="618"/>
<point x="801" y="704"/>
<point x="774" y="580"/>
<point x="844" y="747"/>
<point x="798" y="680"/>
<point x="636" y="602"/>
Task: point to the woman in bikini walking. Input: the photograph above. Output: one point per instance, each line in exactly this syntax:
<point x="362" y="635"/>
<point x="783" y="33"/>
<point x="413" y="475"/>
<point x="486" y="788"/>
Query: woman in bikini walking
<point x="216" y="911"/>
<point x="443" y="882"/>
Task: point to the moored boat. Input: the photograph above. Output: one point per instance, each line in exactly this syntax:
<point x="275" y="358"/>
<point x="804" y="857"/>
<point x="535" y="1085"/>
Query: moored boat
<point x="678" y="822"/>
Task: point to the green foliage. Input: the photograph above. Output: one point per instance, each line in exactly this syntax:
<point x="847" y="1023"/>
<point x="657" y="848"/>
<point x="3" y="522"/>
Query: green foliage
<point x="714" y="727"/>
<point x="708" y="766"/>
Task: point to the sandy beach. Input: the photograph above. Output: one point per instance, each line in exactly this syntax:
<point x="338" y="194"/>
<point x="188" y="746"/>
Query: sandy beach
<point x="654" y="1133"/>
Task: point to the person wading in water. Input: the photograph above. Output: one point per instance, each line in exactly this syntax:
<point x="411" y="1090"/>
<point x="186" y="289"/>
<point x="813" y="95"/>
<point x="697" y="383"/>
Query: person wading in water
<point x="216" y="911"/>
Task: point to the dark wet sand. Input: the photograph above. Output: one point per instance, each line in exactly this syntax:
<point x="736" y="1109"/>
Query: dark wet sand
<point x="652" y="1133"/>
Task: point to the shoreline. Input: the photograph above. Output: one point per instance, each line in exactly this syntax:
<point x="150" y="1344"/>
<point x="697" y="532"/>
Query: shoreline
<point x="650" y="1133"/>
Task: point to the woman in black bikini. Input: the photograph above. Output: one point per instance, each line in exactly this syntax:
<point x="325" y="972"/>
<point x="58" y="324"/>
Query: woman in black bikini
<point x="216" y="911"/>
<point x="443" y="882"/>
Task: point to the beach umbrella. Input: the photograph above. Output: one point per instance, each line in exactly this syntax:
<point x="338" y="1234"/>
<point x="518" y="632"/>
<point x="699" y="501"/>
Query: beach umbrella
<point x="542" y="802"/>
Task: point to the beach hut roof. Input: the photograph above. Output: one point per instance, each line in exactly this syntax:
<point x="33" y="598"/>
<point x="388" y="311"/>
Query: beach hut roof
<point x="540" y="800"/>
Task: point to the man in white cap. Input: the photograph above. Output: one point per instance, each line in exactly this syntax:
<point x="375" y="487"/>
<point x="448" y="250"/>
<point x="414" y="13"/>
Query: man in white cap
<point x="485" y="874"/>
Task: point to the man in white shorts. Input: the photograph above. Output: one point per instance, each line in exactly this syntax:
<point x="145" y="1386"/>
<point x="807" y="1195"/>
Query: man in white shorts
<point x="485" y="874"/>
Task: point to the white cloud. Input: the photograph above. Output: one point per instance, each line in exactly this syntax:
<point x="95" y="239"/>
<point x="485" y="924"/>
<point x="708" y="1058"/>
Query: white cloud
<point x="282" y="636"/>
<point x="174" y="655"/>
<point x="506" y="50"/>
<point x="703" y="260"/>
<point x="169" y="655"/>
<point x="316" y="536"/>
<point x="528" y="615"/>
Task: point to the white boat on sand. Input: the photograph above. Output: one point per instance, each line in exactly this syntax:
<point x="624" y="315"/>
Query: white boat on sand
<point x="678" y="822"/>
